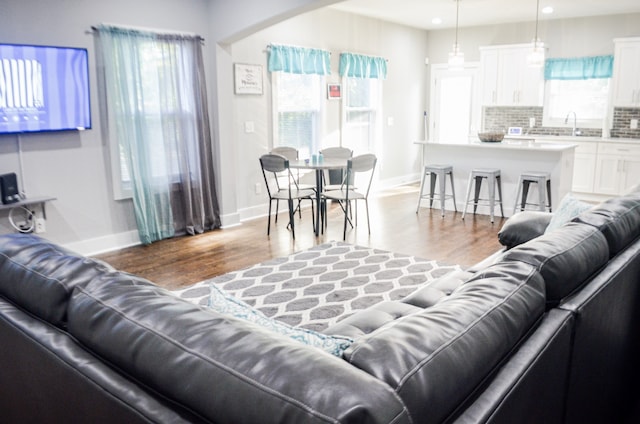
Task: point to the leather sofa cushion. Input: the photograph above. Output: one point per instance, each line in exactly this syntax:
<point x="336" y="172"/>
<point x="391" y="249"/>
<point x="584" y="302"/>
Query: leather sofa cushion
<point x="40" y="276"/>
<point x="370" y="319"/>
<point x="436" y="357"/>
<point x="223" y="368"/>
<point x="617" y="218"/>
<point x="566" y="257"/>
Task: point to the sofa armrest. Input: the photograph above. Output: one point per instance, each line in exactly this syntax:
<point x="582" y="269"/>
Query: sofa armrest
<point x="522" y="227"/>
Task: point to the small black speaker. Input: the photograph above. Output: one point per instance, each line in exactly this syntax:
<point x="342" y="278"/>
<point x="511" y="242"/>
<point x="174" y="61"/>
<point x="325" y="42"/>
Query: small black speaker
<point x="9" y="188"/>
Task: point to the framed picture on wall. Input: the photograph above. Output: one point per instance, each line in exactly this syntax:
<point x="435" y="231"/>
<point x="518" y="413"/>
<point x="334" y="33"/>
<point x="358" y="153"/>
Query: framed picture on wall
<point x="334" y="91"/>
<point x="248" y="78"/>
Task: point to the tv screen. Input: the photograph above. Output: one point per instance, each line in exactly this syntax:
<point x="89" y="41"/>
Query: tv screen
<point x="43" y="88"/>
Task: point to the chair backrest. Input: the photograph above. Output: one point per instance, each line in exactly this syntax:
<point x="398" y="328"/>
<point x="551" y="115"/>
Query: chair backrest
<point x="336" y="152"/>
<point x="275" y="164"/>
<point x="290" y="153"/>
<point x="361" y="163"/>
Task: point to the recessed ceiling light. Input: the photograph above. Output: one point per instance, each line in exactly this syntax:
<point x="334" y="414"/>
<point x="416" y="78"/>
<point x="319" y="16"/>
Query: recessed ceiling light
<point x="436" y="21"/>
<point x="547" y="10"/>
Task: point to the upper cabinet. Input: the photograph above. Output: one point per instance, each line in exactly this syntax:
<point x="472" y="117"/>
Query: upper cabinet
<point x="626" y="72"/>
<point x="506" y="78"/>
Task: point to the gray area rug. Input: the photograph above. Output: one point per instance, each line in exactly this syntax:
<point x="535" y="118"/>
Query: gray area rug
<point x="318" y="287"/>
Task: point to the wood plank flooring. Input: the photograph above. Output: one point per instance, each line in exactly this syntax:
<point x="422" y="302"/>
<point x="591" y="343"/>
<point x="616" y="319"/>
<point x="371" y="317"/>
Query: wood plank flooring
<point x="395" y="226"/>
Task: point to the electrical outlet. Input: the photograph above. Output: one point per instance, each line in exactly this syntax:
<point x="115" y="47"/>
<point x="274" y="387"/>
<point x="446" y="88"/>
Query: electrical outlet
<point x="40" y="226"/>
<point x="634" y="124"/>
<point x="258" y="188"/>
<point x="532" y="122"/>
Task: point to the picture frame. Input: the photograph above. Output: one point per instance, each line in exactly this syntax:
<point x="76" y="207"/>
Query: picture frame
<point x="334" y="91"/>
<point x="247" y="78"/>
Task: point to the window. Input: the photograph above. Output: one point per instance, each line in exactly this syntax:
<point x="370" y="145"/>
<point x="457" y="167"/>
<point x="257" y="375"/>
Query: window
<point x="579" y="85"/>
<point x="298" y="111"/>
<point x="587" y="98"/>
<point x="362" y="102"/>
<point x="298" y="86"/>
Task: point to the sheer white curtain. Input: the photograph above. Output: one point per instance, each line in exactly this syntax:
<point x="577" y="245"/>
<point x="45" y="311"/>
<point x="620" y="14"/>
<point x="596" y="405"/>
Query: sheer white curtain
<point x="157" y="108"/>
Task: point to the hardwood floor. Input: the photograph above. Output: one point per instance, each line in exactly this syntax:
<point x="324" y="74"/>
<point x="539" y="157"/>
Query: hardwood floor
<point x="395" y="226"/>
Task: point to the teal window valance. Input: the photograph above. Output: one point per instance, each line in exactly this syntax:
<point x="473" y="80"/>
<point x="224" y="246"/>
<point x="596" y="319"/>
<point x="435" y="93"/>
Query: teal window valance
<point x="299" y="60"/>
<point x="579" y="68"/>
<point x="360" y="66"/>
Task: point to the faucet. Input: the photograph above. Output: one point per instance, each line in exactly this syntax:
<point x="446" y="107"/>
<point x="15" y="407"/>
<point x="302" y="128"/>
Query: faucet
<point x="574" y="132"/>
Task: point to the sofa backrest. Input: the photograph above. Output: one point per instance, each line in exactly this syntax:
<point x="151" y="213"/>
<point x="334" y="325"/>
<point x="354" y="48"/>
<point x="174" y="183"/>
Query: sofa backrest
<point x="222" y="368"/>
<point x="566" y="257"/>
<point x="437" y="357"/>
<point x="39" y="276"/>
<point x="617" y="218"/>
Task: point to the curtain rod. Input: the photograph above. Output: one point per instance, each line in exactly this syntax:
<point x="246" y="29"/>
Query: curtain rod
<point x="154" y="30"/>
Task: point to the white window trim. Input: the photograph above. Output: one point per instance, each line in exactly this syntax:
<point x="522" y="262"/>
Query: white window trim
<point x="548" y="121"/>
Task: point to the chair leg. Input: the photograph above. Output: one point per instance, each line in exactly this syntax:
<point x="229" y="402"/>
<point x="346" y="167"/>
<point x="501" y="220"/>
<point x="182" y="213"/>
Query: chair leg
<point x="518" y="192"/>
<point x="443" y="181"/>
<point x="499" y="182"/>
<point x="291" y="218"/>
<point x="366" y="205"/>
<point x="346" y="217"/>
<point x="277" y="207"/>
<point x="525" y="194"/>
<point x="453" y="192"/>
<point x="466" y="200"/>
<point x="313" y="217"/>
<point x="424" y="177"/>
<point x="477" y="194"/>
<point x="432" y="186"/>
<point x="492" y="197"/>
<point x="542" y="197"/>
<point x="549" y="193"/>
<point x="269" y="218"/>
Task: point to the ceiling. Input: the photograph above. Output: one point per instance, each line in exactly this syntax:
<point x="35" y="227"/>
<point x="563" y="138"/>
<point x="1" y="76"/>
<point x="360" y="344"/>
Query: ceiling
<point x="419" y="13"/>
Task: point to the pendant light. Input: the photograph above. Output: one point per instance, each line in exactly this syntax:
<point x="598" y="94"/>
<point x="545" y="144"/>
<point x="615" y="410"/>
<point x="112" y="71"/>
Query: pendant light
<point x="456" y="57"/>
<point x="536" y="57"/>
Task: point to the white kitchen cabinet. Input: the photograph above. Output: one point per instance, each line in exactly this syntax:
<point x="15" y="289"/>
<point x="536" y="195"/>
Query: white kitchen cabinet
<point x="584" y="165"/>
<point x="617" y="168"/>
<point x="626" y="72"/>
<point x="584" y="162"/>
<point x="506" y="78"/>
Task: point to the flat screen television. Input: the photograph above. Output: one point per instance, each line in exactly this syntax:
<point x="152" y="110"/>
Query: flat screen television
<point x="43" y="88"/>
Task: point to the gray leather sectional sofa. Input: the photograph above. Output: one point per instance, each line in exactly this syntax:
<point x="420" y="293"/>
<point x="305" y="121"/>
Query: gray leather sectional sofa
<point x="544" y="331"/>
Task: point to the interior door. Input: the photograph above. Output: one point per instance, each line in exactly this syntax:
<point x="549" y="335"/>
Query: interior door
<point x="455" y="109"/>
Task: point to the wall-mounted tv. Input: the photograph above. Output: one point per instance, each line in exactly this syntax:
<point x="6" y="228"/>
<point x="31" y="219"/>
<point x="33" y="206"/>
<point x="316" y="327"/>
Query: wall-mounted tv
<point x="43" y="88"/>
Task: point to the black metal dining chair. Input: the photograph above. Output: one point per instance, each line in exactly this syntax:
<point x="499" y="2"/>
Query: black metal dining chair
<point x="272" y="166"/>
<point x="347" y="192"/>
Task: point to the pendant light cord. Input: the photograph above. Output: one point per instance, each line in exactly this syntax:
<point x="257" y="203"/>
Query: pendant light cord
<point x="535" y="40"/>
<point x="457" y="14"/>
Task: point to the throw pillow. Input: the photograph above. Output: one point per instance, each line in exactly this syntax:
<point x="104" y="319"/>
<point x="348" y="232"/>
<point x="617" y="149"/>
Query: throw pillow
<point x="569" y="208"/>
<point x="522" y="227"/>
<point x="223" y="303"/>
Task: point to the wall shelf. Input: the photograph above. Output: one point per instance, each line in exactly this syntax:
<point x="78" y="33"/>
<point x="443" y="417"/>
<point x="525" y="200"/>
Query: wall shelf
<point x="37" y="200"/>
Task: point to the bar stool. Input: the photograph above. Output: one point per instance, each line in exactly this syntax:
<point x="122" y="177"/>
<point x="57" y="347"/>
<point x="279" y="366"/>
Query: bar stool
<point x="437" y="172"/>
<point x="542" y="179"/>
<point x="493" y="179"/>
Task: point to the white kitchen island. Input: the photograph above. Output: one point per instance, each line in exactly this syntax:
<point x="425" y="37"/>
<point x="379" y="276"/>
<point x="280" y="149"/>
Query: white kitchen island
<point x="511" y="156"/>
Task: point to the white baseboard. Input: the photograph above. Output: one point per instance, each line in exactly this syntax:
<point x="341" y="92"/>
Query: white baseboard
<point x="104" y="244"/>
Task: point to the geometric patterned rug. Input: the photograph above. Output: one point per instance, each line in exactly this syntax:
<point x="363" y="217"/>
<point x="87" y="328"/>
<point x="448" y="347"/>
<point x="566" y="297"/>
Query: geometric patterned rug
<point x="317" y="287"/>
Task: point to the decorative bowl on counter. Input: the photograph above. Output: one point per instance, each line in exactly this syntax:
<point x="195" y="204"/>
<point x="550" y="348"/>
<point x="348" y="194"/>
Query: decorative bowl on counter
<point x="491" y="137"/>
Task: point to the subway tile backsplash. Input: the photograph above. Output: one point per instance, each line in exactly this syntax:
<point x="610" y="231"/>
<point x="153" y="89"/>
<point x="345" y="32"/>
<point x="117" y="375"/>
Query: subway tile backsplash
<point x="503" y="117"/>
